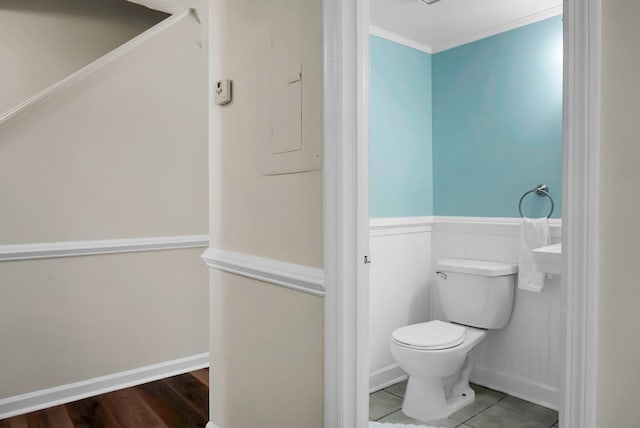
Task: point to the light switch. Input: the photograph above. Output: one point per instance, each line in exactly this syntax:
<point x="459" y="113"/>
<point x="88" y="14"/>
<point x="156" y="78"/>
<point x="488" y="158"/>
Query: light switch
<point x="222" y="92"/>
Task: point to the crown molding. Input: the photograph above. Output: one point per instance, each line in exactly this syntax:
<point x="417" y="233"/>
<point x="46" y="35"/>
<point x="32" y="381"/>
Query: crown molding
<point x="459" y="41"/>
<point x="377" y="31"/>
<point x="508" y="26"/>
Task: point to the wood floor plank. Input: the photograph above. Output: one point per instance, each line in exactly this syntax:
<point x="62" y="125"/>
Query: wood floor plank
<point x="90" y="413"/>
<point x="15" y="422"/>
<point x="129" y="409"/>
<point x="178" y="402"/>
<point x="56" y="416"/>
<point x="202" y="375"/>
<point x="163" y="400"/>
<point x="60" y="417"/>
<point x="191" y="391"/>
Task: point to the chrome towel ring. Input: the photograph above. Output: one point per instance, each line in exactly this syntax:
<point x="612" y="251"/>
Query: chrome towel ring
<point x="540" y="190"/>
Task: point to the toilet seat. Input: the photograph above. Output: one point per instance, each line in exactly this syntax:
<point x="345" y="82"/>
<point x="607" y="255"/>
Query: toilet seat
<point x="431" y="335"/>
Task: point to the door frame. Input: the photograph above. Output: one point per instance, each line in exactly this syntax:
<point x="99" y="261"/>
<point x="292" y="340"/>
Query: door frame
<point x="346" y="225"/>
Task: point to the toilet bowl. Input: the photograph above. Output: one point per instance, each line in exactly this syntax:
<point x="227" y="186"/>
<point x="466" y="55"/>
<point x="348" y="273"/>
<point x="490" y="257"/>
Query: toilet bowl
<point x="476" y="296"/>
<point x="438" y="373"/>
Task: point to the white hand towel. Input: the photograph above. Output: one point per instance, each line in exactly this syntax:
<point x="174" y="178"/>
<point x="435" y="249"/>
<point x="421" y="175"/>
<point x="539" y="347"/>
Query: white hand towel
<point x="534" y="233"/>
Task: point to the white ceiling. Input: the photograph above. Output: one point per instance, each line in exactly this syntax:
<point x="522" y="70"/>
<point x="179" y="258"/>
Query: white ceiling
<point x="450" y="23"/>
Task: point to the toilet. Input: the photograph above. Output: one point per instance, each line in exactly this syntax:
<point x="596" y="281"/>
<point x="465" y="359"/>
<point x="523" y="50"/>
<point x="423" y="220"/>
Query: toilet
<point x="476" y="296"/>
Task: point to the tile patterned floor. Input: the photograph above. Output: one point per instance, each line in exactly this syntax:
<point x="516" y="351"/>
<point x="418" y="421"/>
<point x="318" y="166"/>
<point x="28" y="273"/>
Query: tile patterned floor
<point x="491" y="409"/>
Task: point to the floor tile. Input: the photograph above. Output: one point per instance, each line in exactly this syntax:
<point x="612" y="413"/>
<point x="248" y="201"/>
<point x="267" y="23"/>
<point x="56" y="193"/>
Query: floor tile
<point x="488" y="392"/>
<point x="400" y="418"/>
<point x="500" y="417"/>
<point x="398" y="389"/>
<point x="485" y="398"/>
<point x="381" y="403"/>
<point x="532" y="411"/>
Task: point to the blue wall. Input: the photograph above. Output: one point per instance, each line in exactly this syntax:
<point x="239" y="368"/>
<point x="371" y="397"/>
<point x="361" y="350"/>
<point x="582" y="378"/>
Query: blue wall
<point x="401" y="177"/>
<point x="497" y="123"/>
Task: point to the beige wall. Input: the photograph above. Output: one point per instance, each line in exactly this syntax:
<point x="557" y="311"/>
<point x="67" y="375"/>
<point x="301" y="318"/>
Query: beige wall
<point x="619" y="329"/>
<point x="120" y="154"/>
<point x="267" y="360"/>
<point x="266" y="341"/>
<point x="70" y="319"/>
<point x="43" y="41"/>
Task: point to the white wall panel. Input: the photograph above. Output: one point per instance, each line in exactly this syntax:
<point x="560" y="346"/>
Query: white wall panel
<point x="399" y="293"/>
<point x="524" y="358"/>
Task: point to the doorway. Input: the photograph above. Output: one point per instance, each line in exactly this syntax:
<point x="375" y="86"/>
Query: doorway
<point x="576" y="181"/>
<point x="461" y="112"/>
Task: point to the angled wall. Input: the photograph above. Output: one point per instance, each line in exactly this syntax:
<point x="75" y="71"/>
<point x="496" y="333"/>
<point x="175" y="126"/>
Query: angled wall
<point x="42" y="41"/>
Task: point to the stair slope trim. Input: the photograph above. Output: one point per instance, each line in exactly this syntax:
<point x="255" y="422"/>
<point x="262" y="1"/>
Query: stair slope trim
<point x="96" y="65"/>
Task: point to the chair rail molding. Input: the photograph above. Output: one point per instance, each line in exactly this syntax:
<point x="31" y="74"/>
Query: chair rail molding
<point x="488" y="225"/>
<point x="456" y="224"/>
<point x="399" y="225"/>
<point x="297" y="277"/>
<point x="50" y="250"/>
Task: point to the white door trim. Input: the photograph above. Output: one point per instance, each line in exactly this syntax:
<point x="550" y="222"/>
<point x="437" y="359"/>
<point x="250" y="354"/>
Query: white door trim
<point x="345" y="129"/>
<point x="345" y="29"/>
<point x="581" y="160"/>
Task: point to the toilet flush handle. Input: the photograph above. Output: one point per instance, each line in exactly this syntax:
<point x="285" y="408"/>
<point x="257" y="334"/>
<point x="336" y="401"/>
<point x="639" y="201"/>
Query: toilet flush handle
<point x="441" y="274"/>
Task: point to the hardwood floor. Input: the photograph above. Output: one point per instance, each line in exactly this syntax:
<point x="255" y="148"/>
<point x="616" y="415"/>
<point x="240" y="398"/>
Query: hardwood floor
<point x="177" y="402"/>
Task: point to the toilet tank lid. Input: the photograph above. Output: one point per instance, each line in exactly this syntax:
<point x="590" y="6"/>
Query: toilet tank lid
<point x="477" y="267"/>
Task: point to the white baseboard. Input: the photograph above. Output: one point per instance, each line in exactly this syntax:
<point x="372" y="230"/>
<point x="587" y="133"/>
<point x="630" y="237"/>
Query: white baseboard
<point x="385" y="377"/>
<point x="211" y="425"/>
<point x="32" y="401"/>
<point x="526" y="389"/>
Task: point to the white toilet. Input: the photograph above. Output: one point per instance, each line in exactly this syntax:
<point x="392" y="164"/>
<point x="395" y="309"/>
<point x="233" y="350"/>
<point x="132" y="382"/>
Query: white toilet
<point x="476" y="296"/>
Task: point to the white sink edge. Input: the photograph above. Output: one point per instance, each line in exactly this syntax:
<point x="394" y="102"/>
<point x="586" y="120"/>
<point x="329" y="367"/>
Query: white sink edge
<point x="548" y="259"/>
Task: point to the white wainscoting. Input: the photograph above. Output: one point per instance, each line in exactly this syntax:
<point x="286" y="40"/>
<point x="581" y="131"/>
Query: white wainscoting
<point x="50" y="397"/>
<point x="525" y="358"/>
<point x="399" y="288"/>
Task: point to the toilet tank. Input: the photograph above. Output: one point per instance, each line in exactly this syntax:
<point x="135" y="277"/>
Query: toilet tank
<point x="476" y="293"/>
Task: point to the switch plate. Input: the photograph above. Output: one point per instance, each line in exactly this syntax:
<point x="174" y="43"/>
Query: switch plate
<point x="222" y="92"/>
